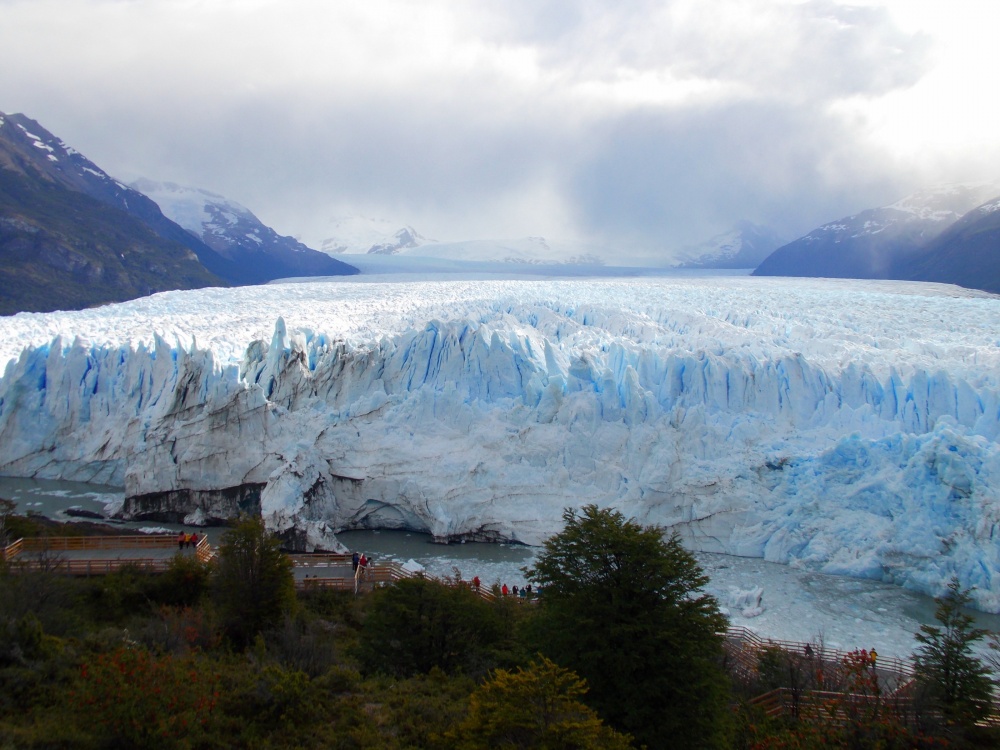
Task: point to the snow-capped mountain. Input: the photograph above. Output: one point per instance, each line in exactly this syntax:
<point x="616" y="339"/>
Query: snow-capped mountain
<point x="71" y="236"/>
<point x="879" y="242"/>
<point x="745" y="246"/>
<point x="405" y="239"/>
<point x="238" y="235"/>
<point x="863" y="440"/>
<point x="58" y="163"/>
<point x="357" y="234"/>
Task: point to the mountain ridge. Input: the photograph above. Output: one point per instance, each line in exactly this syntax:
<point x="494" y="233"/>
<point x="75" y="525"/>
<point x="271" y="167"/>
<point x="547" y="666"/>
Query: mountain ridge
<point x="879" y="243"/>
<point x="62" y="248"/>
<point x="237" y="235"/>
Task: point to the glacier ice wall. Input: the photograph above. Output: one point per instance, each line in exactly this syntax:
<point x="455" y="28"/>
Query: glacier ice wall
<point x="847" y="426"/>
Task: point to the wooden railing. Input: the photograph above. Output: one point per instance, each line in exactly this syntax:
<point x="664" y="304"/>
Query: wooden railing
<point x="44" y="553"/>
<point x="828" y="706"/>
<point x="364" y="579"/>
<point x="11" y="550"/>
<point x="318" y="559"/>
<point x="888" y="663"/>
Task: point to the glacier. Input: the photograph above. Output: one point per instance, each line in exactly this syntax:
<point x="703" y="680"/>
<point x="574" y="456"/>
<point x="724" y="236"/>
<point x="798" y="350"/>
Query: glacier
<point x="844" y="426"/>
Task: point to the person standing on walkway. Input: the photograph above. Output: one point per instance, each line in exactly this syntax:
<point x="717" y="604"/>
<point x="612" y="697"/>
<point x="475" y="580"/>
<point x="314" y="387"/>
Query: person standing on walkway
<point x="475" y="584"/>
<point x="355" y="559"/>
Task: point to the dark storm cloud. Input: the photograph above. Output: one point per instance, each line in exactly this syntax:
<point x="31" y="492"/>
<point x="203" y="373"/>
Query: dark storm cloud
<point x="670" y="177"/>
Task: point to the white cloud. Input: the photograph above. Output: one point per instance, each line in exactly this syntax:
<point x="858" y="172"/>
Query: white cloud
<point x="657" y="120"/>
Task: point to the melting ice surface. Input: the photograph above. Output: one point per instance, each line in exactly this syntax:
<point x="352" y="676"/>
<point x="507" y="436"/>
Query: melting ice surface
<point x="847" y="427"/>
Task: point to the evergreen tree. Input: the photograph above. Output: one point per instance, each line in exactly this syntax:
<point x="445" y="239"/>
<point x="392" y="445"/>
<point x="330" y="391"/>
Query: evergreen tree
<point x="253" y="581"/>
<point x="420" y="623"/>
<point x="951" y="675"/>
<point x="622" y="606"/>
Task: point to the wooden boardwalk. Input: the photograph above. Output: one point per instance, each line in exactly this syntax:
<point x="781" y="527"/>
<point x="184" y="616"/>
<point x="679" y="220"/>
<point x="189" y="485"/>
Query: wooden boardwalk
<point x="100" y="555"/>
<point x="744" y="647"/>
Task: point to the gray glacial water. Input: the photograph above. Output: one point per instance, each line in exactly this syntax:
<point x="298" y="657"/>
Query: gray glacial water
<point x="801" y="605"/>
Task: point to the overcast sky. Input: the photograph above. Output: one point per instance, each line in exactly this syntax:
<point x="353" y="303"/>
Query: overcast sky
<point x="650" y="123"/>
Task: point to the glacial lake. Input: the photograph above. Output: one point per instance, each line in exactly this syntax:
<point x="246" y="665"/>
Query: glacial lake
<point x="797" y="604"/>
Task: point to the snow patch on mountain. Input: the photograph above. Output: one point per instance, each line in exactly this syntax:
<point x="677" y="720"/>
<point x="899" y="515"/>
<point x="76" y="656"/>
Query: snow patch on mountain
<point x="990" y="207"/>
<point x="936" y="207"/>
<point x="357" y="234"/>
<point x="198" y="211"/>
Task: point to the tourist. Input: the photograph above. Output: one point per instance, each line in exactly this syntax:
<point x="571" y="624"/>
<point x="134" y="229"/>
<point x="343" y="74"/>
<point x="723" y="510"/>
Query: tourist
<point x="503" y="590"/>
<point x="355" y="558"/>
<point x="181" y="539"/>
<point x="194" y="540"/>
<point x="475" y="583"/>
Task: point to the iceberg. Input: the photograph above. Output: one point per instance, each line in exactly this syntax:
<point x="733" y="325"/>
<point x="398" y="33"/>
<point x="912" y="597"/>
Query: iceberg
<point x="845" y="426"/>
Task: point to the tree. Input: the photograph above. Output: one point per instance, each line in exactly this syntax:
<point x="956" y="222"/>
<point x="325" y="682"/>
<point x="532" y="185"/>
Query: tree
<point x="6" y="510"/>
<point x="538" y="707"/>
<point x="622" y="606"/>
<point x="950" y="674"/>
<point x="253" y="582"/>
<point x="419" y="624"/>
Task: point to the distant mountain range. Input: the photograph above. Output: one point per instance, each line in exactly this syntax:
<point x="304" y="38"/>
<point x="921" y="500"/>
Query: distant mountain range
<point x="354" y="234"/>
<point x="947" y="234"/>
<point x="71" y="236"/>
<point x="745" y="246"/>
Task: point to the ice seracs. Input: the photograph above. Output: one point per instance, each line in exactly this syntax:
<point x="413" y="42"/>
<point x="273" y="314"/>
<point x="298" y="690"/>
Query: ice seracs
<point x="847" y="426"/>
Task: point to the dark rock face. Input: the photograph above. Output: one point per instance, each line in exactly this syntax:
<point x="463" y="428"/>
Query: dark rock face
<point x="892" y="242"/>
<point x="843" y="250"/>
<point x="71" y="236"/>
<point x="61" y="249"/>
<point x="65" y="243"/>
<point x="213" y="507"/>
<point x="967" y="253"/>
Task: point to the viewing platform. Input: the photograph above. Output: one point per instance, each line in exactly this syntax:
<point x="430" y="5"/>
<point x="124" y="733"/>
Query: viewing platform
<point x="100" y="555"/>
